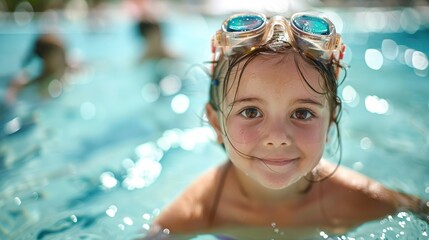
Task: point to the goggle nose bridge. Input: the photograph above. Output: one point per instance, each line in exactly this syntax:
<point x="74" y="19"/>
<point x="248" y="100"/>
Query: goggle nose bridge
<point x="278" y="29"/>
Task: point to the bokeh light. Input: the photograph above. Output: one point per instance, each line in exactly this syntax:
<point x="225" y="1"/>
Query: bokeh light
<point x="389" y="48"/>
<point x="150" y="92"/>
<point x="410" y="20"/>
<point x="180" y="103"/>
<point x="55" y="88"/>
<point x="12" y="126"/>
<point x="366" y="143"/>
<point x="76" y="10"/>
<point x="111" y="211"/>
<point x="24" y="13"/>
<point x="128" y="221"/>
<point x="143" y="174"/>
<point x="376" y="105"/>
<point x="108" y="180"/>
<point x="419" y="60"/>
<point x="374" y="59"/>
<point x="88" y="110"/>
<point x="350" y="96"/>
<point x="170" y="85"/>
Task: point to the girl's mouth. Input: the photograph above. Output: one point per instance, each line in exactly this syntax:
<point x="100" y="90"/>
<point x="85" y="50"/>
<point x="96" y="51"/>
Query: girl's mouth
<point x="279" y="162"/>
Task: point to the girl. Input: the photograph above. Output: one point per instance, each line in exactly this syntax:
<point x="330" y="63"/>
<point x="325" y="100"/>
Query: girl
<point x="273" y="102"/>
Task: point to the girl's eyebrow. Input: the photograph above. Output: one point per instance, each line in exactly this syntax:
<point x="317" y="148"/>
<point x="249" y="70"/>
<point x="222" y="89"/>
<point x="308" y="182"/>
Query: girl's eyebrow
<point x="310" y="101"/>
<point x="244" y="100"/>
<point x="298" y="101"/>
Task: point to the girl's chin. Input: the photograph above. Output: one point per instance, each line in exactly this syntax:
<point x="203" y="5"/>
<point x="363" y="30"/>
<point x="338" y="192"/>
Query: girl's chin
<point x="278" y="184"/>
<point x="277" y="176"/>
<point x="277" y="181"/>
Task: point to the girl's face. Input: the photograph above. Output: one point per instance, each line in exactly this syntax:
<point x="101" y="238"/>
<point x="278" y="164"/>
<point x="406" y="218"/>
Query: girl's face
<point x="274" y="126"/>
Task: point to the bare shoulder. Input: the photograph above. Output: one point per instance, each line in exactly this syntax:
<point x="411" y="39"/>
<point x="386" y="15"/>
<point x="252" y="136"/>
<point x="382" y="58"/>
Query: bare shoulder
<point x="189" y="212"/>
<point x="356" y="197"/>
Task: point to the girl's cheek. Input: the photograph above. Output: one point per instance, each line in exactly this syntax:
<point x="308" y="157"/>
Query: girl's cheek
<point x="312" y="136"/>
<point x="242" y="132"/>
<point x="315" y="134"/>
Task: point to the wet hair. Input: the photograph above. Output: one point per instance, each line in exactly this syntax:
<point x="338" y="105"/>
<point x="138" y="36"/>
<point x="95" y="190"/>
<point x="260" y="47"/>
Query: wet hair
<point x="44" y="45"/>
<point x="47" y="43"/>
<point x="223" y="73"/>
<point x="144" y="27"/>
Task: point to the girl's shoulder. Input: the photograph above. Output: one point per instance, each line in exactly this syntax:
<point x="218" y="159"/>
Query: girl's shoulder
<point x="190" y="211"/>
<point x="351" y="197"/>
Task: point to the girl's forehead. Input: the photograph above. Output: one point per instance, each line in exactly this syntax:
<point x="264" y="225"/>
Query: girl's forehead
<point x="275" y="70"/>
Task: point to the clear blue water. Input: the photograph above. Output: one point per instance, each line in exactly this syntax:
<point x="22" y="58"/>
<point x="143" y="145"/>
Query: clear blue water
<point x="101" y="160"/>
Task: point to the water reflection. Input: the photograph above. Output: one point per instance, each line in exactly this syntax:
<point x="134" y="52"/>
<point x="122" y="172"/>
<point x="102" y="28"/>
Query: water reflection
<point x="170" y="85"/>
<point x="108" y="180"/>
<point x="389" y="48"/>
<point x="150" y="92"/>
<point x="376" y="105"/>
<point x="111" y="211"/>
<point x="350" y="96"/>
<point x="374" y="59"/>
<point x="144" y="167"/>
<point x="419" y="60"/>
<point x="142" y="174"/>
<point x="408" y="20"/>
<point x="180" y="103"/>
<point x="12" y="126"/>
<point x="366" y="143"/>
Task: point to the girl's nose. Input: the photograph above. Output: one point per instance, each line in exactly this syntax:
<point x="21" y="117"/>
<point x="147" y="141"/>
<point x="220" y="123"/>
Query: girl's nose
<point x="277" y="135"/>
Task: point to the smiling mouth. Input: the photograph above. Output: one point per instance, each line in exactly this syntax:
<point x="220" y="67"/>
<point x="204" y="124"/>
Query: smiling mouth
<point x="279" y="162"/>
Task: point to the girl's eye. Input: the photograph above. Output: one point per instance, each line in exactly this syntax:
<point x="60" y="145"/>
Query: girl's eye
<point x="251" y="113"/>
<point x="302" y="114"/>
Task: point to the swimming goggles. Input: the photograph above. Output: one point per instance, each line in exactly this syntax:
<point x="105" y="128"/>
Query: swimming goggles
<point x="311" y="33"/>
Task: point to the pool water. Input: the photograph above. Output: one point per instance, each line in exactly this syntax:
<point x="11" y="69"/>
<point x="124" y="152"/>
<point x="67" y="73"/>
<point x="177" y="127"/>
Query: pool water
<point x="121" y="142"/>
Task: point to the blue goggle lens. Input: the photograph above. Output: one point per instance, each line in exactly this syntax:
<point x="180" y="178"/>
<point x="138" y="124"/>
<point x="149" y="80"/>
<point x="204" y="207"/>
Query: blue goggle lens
<point x="244" y="23"/>
<point x="310" y="24"/>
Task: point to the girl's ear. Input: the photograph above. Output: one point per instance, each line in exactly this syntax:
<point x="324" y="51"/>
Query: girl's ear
<point x="212" y="116"/>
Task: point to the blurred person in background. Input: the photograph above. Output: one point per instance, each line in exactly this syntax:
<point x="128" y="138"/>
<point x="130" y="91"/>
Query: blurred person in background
<point x="27" y="91"/>
<point x="154" y="42"/>
<point x="158" y="65"/>
<point x="48" y="83"/>
<point x="160" y="59"/>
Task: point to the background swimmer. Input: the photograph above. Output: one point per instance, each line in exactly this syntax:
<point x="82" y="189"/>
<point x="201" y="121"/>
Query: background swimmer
<point x="49" y="82"/>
